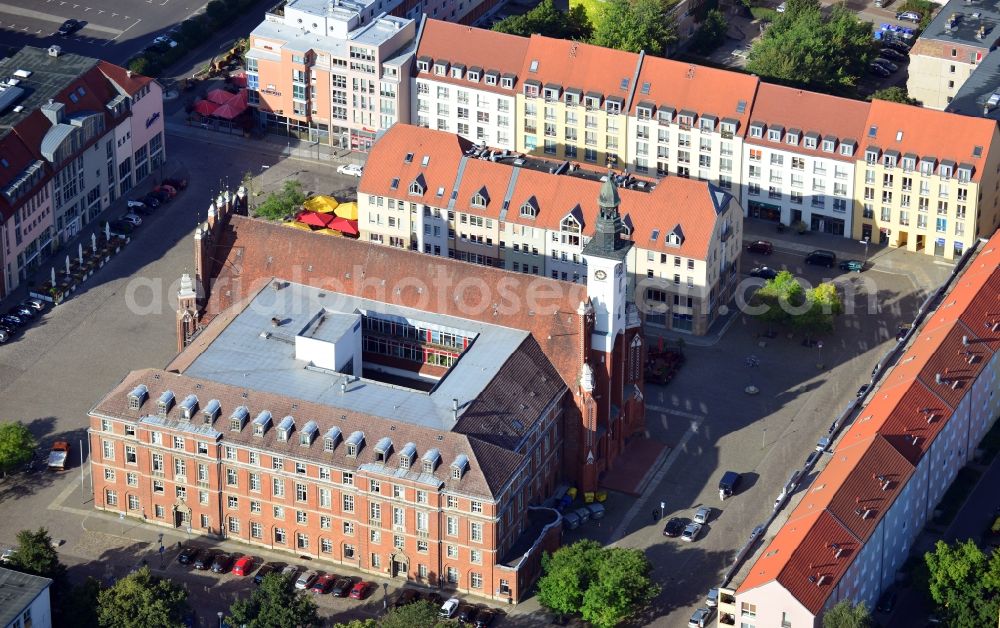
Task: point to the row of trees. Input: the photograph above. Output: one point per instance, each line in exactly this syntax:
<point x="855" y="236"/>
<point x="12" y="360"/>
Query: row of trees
<point x="630" y="25"/>
<point x="783" y="301"/>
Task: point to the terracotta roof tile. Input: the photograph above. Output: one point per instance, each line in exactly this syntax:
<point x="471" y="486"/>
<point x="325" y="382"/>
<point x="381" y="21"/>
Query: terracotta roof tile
<point x="583" y="66"/>
<point x="809" y="112"/>
<point x="490" y="466"/>
<point x="473" y="47"/>
<point x="701" y="89"/>
<point x="129" y="82"/>
<point x="930" y="133"/>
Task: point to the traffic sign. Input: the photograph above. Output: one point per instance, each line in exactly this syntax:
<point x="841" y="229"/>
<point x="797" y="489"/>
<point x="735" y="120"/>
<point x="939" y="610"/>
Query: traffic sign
<point x="121" y="515"/>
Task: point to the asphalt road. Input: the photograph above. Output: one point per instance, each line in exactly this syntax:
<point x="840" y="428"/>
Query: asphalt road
<point x="114" y="30"/>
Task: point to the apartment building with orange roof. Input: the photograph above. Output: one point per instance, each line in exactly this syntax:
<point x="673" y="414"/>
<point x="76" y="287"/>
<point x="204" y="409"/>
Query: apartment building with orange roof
<point x="465" y="82"/>
<point x="434" y="192"/>
<point x="927" y="180"/>
<point x="800" y="155"/>
<point x="690" y="121"/>
<point x="858" y="518"/>
<point x="574" y="101"/>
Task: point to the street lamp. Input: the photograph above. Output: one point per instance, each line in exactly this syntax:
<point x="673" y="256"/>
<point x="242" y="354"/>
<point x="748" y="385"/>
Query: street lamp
<point x="866" y="242"/>
<point x="819" y="354"/>
<point x="221" y="615"/>
<point x="751" y="363"/>
<point x="385" y="596"/>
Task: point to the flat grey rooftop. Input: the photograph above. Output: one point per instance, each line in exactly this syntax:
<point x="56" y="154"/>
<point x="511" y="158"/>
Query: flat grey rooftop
<point x="240" y="356"/>
<point x="971" y="15"/>
<point x="974" y="96"/>
<point x="17" y="590"/>
<point x="49" y="76"/>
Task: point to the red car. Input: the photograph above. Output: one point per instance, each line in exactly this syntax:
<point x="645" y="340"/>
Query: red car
<point x="170" y="190"/>
<point x="323" y="583"/>
<point x="243" y="566"/>
<point x="361" y="590"/>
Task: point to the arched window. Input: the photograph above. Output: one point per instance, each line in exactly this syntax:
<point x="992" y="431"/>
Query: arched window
<point x="635" y="359"/>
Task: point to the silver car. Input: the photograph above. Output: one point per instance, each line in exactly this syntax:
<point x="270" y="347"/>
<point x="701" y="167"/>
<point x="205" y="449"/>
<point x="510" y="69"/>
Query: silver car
<point x="691" y="532"/>
<point x="700" y="618"/>
<point x="703" y="514"/>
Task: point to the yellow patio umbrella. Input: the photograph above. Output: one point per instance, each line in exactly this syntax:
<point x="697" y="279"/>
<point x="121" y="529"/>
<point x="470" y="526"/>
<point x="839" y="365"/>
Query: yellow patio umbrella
<point x="321" y="204"/>
<point x="332" y="232"/>
<point x="348" y="211"/>
<point x="295" y="224"/>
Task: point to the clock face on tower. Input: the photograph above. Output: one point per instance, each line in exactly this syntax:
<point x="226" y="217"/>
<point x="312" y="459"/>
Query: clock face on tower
<point x="600" y="275"/>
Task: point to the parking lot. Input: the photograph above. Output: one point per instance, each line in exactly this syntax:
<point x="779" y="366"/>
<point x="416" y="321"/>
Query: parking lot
<point x="114" y="29"/>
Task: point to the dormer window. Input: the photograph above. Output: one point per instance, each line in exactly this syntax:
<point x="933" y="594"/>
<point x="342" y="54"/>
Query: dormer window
<point x="613" y="106"/>
<point x="473" y="75"/>
<point x="308" y="434"/>
<point x="530" y="208"/>
<point x="261" y="424"/>
<point x="945" y="171"/>
<point x="440" y="68"/>
<point x="355" y="443"/>
<point x="889" y="161"/>
<point x="592" y="102"/>
<point x="456" y="72"/>
<point x="418" y="187"/>
<point x="285" y="428"/>
<point x="810" y="142"/>
<point x="331" y="439"/>
<point x="706" y="124"/>
<point x="756" y="130"/>
<point x="673" y="239"/>
<point x="479" y="199"/>
<point x="239" y="418"/>
<point x="430" y="460"/>
<point x="964" y="174"/>
<point x="212" y="411"/>
<point x="382" y="449"/>
<point x="774" y="135"/>
<point x="506" y="82"/>
<point x="871" y="156"/>
<point x="491" y="78"/>
<point x="829" y="145"/>
<point x="165" y="403"/>
<point x="407" y="455"/>
<point x="643" y="113"/>
<point x="459" y="466"/>
<point x="423" y="65"/>
<point x="138" y="397"/>
<point x="189" y="406"/>
<point x="792" y="139"/>
<point x="927" y="166"/>
<point x="846" y="149"/>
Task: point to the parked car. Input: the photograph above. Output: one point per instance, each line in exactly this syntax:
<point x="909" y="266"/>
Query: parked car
<point x="122" y="227"/>
<point x="222" y="563"/>
<point x="4" y="337"/>
<point x="878" y="70"/>
<point x="174" y="182"/>
<point x="700" y="618"/>
<point x="467" y="612"/>
<point x="360" y="590"/>
<point x="728" y="484"/>
<point x="449" y="608"/>
<point x="7" y="555"/>
<point x="203" y="559"/>
<point x="187" y="555"/>
<point x="170" y="190"/>
<point x="8" y="328"/>
<point x="485" y="617"/>
<point x="764" y="272"/>
<point x="908" y="16"/>
<point x="163" y="42"/>
<point x="134" y="203"/>
<point x="13" y="321"/>
<point x="691" y="532"/>
<point x="862" y="390"/>
<point x="132" y="219"/>
<point x="21" y="311"/>
<point x="352" y="170"/>
<point x="266" y="568"/>
<point x="342" y="586"/>
<point x="885" y="63"/>
<point x="36" y="304"/>
<point x="322" y="584"/>
<point x="243" y="566"/>
<point x="151" y="201"/>
<point x="756" y="532"/>
<point x="161" y="195"/>
<point x="406" y="596"/>
<point x="902" y="330"/>
<point x="712" y="599"/>
<point x="307" y="579"/>
<point x="703" y="514"/>
<point x="760" y="246"/>
<point x="820" y="257"/>
<point x="69" y="27"/>
<point x="896" y="44"/>
<point x="674" y="527"/>
<point x="892" y="53"/>
<point x="852" y="265"/>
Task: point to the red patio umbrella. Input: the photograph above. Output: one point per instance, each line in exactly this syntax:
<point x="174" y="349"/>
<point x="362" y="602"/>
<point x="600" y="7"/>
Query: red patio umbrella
<point x="344" y="225"/>
<point x="219" y="96"/>
<point x="205" y="107"/>
<point x="236" y="105"/>
<point x="239" y="79"/>
<point x="315" y="219"/>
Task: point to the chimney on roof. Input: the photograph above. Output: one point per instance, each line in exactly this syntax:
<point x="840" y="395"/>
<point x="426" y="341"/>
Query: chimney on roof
<point x="965" y="341"/>
<point x="55" y="51"/>
<point x="938" y="378"/>
<point x="128" y="73"/>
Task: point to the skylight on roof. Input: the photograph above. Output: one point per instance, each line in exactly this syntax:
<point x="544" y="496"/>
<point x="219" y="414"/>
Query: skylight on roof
<point x="534" y="66"/>
<point x="408" y="159"/>
<point x="977" y="151"/>
<point x="656" y="234"/>
<point x="872" y="131"/>
<point x="624" y="85"/>
<point x="440" y="191"/>
<point x="426" y="160"/>
<point x="899" y="136"/>
<point x="645" y="88"/>
<point x="741" y="106"/>
<point x="394" y="184"/>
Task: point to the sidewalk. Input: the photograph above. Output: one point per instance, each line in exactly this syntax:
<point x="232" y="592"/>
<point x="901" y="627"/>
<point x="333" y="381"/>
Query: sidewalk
<point x="273" y="145"/>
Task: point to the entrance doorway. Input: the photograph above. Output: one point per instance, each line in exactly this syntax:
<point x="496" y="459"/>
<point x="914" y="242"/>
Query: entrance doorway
<point x="182" y="517"/>
<point x="400" y="567"/>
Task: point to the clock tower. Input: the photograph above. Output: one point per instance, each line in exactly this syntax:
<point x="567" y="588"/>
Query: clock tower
<point x="607" y="276"/>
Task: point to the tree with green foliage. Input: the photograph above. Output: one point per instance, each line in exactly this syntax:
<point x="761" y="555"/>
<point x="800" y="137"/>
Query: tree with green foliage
<point x="805" y="46"/>
<point x="17" y="446"/>
<point x="847" y="615"/>
<point x="777" y="299"/>
<point x="274" y="603"/>
<point x="358" y="623"/>
<point x="140" y="65"/>
<point x="896" y="93"/>
<point x="821" y="304"/>
<point x="711" y="33"/>
<point x="623" y="585"/>
<point x="281" y="204"/>
<point x="217" y="11"/>
<point x="34" y="554"/>
<point x="964" y="583"/>
<point x="606" y="586"/>
<point x="141" y="599"/>
<point x="192" y="31"/>
<point x="636" y="25"/>
<point x="81" y="604"/>
<point x="420" y="613"/>
<point x="546" y="19"/>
